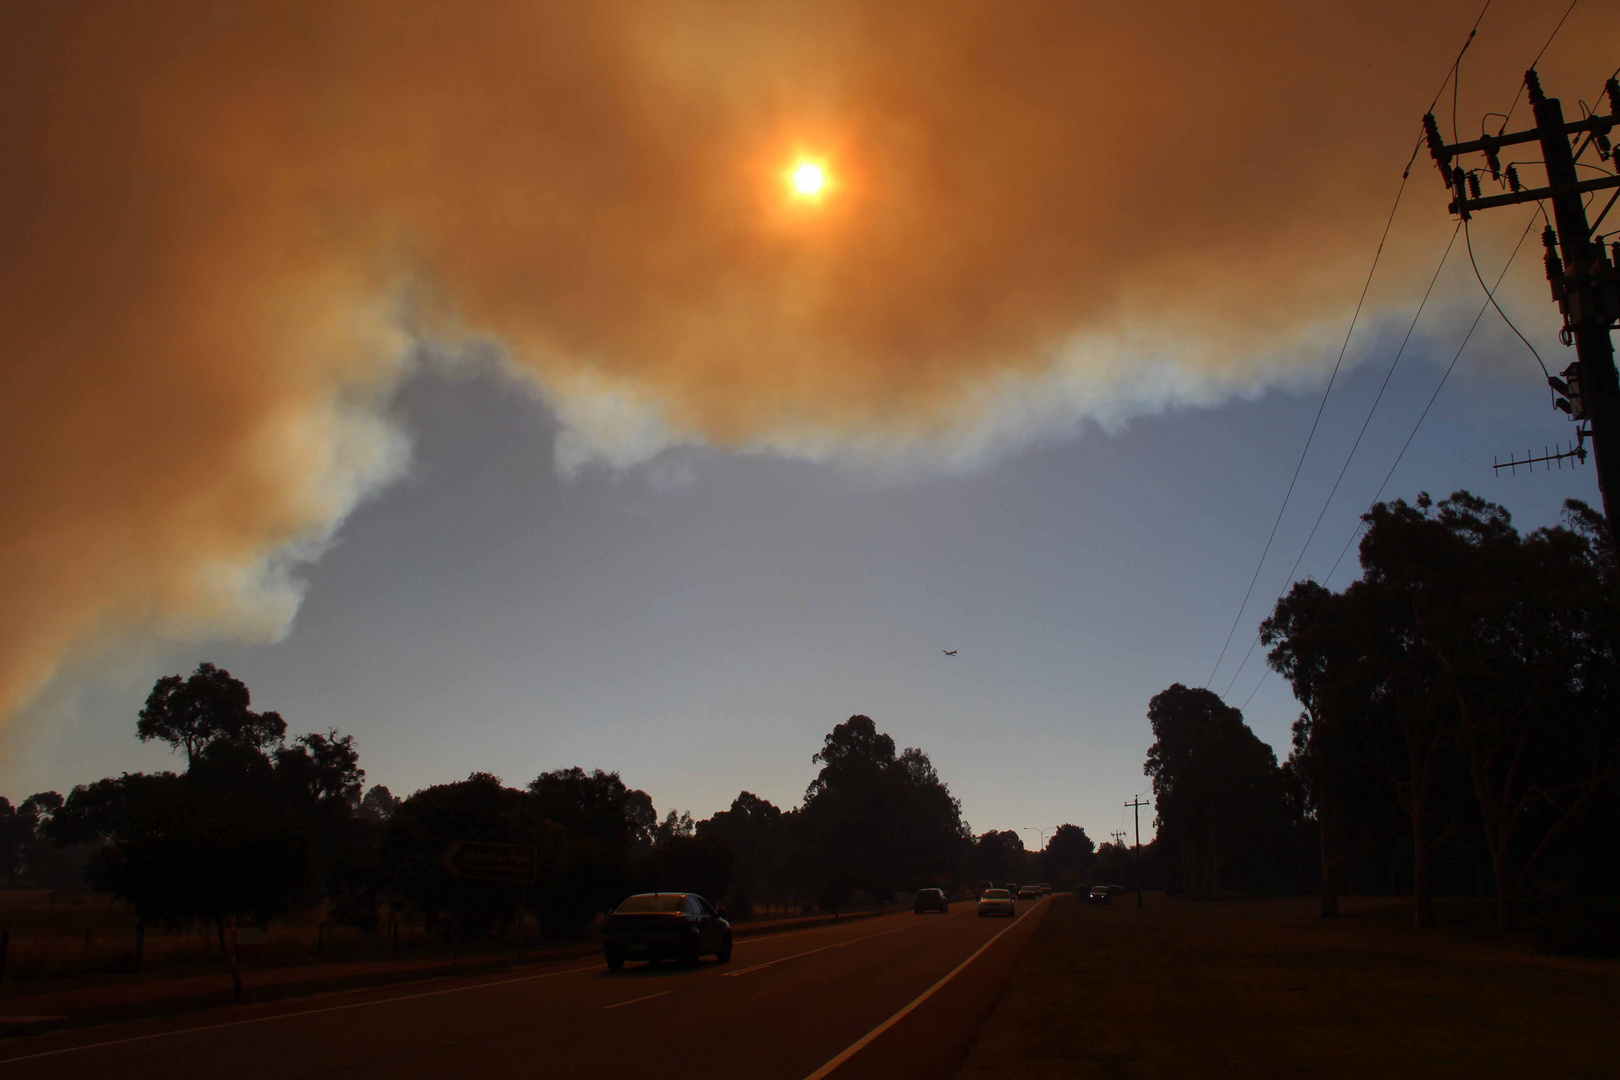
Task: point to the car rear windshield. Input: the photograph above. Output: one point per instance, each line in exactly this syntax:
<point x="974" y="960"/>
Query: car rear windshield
<point x="652" y="902"/>
<point x="995" y="894"/>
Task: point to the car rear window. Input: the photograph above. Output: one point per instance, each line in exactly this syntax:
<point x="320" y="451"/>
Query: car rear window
<point x="995" y="894"/>
<point x="652" y="902"/>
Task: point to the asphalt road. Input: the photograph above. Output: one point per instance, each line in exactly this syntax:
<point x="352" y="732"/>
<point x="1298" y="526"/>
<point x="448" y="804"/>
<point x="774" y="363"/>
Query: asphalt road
<point x="787" y="1006"/>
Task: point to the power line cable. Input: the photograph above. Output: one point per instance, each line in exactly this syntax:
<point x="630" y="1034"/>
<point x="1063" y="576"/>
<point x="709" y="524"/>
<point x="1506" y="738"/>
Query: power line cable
<point x="1520" y="93"/>
<point x="1377" y="255"/>
<point x="1458" y="355"/>
<point x="1490" y="293"/>
<point x="1413" y="433"/>
<point x="1400" y="352"/>
<point x="1492" y="298"/>
<point x="1312" y="435"/>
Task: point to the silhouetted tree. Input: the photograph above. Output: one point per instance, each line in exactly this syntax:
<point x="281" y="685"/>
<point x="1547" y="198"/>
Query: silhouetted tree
<point x="1068" y="856"/>
<point x="378" y="805"/>
<point x="478" y="809"/>
<point x="1218" y="790"/>
<point x="1515" y="638"/>
<point x="604" y="829"/>
<point x="687" y="862"/>
<point x="875" y="820"/>
<point x="759" y="836"/>
<point x="1344" y="741"/>
<point x="208" y="706"/>
<point x="998" y="857"/>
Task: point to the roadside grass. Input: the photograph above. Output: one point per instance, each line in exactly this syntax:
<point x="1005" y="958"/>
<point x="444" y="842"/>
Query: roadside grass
<point x="57" y="938"/>
<point x="1265" y="987"/>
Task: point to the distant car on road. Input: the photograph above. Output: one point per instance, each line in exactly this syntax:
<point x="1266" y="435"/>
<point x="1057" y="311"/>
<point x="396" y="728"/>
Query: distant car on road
<point x="1030" y="892"/>
<point x="665" y="926"/>
<point x="980" y="886"/>
<point x="1100" y="894"/>
<point x="931" y="900"/>
<point x="996" y="902"/>
<point x="1012" y="887"/>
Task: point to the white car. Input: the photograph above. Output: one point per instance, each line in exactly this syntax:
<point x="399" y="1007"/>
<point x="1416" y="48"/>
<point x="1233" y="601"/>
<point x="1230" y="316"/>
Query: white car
<point x="996" y="902"/>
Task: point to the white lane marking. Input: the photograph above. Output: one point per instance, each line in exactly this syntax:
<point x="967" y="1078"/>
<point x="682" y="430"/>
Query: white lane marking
<point x="632" y="1001"/>
<point x="293" y="1015"/>
<point x="812" y="952"/>
<point x="860" y="1044"/>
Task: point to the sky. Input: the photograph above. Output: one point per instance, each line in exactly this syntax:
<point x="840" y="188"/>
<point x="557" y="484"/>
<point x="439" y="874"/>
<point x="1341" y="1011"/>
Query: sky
<point x="477" y="382"/>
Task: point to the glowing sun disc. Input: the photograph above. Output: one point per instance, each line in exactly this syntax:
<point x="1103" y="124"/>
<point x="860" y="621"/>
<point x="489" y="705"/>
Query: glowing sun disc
<point x="809" y="179"/>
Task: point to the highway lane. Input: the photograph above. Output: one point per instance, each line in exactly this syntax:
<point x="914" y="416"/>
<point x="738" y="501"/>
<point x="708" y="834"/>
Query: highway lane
<point x="783" y="1007"/>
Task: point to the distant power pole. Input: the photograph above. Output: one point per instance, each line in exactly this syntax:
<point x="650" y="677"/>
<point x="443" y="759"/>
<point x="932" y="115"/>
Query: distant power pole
<point x="1584" y="281"/>
<point x="1119" y="837"/>
<point x="1136" y="813"/>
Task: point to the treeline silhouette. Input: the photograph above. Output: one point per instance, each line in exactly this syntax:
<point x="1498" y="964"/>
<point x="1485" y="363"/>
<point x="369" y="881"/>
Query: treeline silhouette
<point x="1459" y="732"/>
<point x="258" y="827"/>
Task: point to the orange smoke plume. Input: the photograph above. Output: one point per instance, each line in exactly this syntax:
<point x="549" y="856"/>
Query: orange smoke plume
<point x="226" y="224"/>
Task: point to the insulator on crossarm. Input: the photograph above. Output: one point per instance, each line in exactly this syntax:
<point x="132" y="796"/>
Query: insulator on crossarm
<point x="1494" y="162"/>
<point x="1512" y="175"/>
<point x="1473" y="185"/>
<point x="1532" y="84"/>
<point x="1612" y="87"/>
<point x="1555" y="265"/>
<point x="1458" y="180"/>
<point x="1437" y="145"/>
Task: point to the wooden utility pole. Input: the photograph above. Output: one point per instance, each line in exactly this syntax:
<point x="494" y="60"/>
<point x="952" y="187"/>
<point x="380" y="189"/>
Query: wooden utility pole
<point x="1136" y="813"/>
<point x="1584" y="280"/>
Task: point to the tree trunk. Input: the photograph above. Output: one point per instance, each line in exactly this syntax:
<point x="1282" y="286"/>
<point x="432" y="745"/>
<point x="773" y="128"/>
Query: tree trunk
<point x="1422" y="902"/>
<point x="1507" y="912"/>
<point x="1330" y="894"/>
<point x="230" y="959"/>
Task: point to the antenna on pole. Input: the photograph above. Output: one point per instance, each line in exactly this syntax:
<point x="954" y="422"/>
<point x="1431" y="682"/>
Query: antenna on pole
<point x="1573" y="452"/>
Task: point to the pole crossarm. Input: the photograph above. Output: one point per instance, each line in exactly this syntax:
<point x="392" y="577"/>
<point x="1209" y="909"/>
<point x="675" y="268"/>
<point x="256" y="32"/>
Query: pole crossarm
<point x="1602" y="183"/>
<point x="1599" y="125"/>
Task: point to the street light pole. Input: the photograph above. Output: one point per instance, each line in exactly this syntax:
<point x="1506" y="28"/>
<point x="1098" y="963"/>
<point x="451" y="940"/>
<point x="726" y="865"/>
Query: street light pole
<point x="1043" y="832"/>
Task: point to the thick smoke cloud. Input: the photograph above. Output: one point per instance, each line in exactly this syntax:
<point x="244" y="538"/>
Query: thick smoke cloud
<point x="225" y="225"/>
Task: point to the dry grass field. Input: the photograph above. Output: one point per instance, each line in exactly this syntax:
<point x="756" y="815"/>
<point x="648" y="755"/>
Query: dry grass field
<point x="62" y="935"/>
<point x="1267" y="988"/>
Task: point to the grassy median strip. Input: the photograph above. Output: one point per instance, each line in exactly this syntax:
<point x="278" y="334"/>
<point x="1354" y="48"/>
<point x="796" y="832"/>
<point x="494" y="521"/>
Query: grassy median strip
<point x="1268" y="988"/>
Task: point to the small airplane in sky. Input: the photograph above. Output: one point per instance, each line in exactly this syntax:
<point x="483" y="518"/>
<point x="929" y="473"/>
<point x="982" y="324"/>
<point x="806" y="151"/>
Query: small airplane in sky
<point x="949" y="652"/>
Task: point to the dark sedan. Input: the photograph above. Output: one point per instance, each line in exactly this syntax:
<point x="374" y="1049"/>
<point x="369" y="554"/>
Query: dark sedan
<point x="1100" y="894"/>
<point x="665" y="926"/>
<point x="931" y="900"/>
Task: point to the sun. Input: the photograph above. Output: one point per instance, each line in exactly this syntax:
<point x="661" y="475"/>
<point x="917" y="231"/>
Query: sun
<point x="809" y="178"/>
